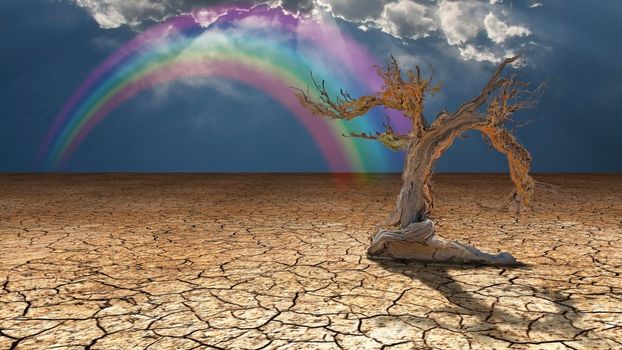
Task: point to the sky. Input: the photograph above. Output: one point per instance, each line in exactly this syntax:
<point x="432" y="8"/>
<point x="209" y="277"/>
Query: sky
<point x="218" y="125"/>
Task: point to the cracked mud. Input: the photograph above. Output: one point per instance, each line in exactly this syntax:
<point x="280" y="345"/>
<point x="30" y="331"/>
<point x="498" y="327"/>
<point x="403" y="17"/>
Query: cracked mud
<point x="279" y="262"/>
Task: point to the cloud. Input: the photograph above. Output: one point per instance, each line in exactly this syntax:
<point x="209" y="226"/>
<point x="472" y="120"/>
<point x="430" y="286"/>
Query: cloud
<point x="114" y="13"/>
<point x="463" y="22"/>
<point x="470" y="52"/>
<point x="459" y="20"/>
<point x="353" y="10"/>
<point x="403" y="19"/>
<point x="498" y="31"/>
<point x="460" y="24"/>
<point x="406" y="19"/>
<point x="298" y="6"/>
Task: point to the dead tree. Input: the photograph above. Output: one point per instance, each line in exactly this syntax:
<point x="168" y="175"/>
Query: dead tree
<point x="410" y="232"/>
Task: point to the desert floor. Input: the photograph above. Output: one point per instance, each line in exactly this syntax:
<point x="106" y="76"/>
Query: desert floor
<point x="279" y="262"/>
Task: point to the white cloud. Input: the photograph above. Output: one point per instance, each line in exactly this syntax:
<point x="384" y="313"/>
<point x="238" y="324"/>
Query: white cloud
<point x="353" y="10"/>
<point x="463" y="21"/>
<point x="470" y="52"/>
<point x="406" y="19"/>
<point x="498" y="31"/>
<point x="459" y="20"/>
<point x="206" y="17"/>
<point x="458" y="23"/>
<point x="114" y="13"/>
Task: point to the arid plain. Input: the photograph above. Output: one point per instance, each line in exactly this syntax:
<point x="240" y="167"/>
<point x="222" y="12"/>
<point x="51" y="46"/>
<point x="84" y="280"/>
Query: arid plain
<point x="267" y="261"/>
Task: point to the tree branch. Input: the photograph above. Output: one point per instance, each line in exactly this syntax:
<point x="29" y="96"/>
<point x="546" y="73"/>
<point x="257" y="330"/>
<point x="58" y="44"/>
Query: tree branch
<point x="406" y="93"/>
<point x="493" y="84"/>
<point x="342" y="107"/>
<point x="512" y="96"/>
<point x="519" y="161"/>
<point x="389" y="139"/>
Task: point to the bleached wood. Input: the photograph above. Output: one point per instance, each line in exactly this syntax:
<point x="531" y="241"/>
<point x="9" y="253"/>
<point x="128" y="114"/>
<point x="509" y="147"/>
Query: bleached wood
<point x="414" y="236"/>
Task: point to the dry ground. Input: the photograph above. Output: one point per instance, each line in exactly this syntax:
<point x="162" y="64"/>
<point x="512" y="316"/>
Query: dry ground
<point x="278" y="262"/>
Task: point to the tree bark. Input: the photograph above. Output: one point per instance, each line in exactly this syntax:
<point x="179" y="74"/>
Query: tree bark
<point x="415" y="238"/>
<point x="415" y="198"/>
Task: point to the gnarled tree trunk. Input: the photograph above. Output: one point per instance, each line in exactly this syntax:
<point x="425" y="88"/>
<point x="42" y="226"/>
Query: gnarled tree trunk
<point x="415" y="238"/>
<point x="412" y="235"/>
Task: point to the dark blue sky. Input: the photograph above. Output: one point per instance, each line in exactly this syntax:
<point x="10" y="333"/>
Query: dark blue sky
<point x="49" y="47"/>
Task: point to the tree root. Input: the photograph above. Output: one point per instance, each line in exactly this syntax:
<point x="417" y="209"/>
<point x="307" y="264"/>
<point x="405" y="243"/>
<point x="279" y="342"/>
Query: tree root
<point x="417" y="241"/>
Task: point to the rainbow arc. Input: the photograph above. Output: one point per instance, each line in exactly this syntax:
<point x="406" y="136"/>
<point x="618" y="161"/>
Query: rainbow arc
<point x="260" y="46"/>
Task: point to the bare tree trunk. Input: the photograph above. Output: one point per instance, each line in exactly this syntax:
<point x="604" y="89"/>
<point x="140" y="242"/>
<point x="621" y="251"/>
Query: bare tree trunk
<point x="412" y="235"/>
<point x="415" y="199"/>
<point x="415" y="238"/>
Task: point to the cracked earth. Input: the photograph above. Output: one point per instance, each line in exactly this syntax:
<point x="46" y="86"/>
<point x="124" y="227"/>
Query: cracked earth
<point x="279" y="262"/>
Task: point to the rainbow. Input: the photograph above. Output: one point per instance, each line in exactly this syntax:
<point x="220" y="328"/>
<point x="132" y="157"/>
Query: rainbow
<point x="260" y="46"/>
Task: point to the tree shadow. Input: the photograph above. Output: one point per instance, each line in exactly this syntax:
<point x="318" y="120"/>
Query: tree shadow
<point x="505" y="310"/>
